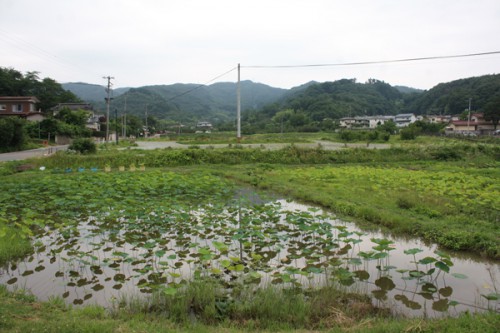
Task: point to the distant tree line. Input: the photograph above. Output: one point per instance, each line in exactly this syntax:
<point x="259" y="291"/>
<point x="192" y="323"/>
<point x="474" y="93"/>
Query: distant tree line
<point x="320" y="105"/>
<point x="16" y="132"/>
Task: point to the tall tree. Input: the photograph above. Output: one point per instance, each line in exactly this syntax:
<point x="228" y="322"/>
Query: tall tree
<point x="48" y="91"/>
<point x="492" y="110"/>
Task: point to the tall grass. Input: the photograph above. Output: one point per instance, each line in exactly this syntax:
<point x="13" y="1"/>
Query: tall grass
<point x="204" y="302"/>
<point x="12" y="245"/>
<point x="324" y="311"/>
<point x="289" y="155"/>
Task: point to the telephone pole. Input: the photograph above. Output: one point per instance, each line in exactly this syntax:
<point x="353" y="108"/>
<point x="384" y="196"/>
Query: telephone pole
<point x="238" y="108"/>
<point x="107" y="98"/>
<point x="146" y="132"/>
<point x="124" y="118"/>
<point x="468" y="117"/>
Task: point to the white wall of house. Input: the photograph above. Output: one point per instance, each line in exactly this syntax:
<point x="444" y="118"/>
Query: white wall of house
<point x="405" y="119"/>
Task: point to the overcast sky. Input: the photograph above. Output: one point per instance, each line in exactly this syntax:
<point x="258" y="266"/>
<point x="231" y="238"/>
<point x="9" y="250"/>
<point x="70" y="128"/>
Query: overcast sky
<point x="149" y="42"/>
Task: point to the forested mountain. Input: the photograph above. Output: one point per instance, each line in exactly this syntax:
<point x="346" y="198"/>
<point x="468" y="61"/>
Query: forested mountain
<point x="309" y="106"/>
<point x="319" y="104"/>
<point x="453" y="97"/>
<point x="347" y="98"/>
<point x="91" y="92"/>
<point x="182" y="102"/>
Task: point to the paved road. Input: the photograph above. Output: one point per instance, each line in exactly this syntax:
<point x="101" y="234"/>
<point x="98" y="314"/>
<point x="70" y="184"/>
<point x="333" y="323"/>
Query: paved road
<point x="327" y="145"/>
<point x="148" y="145"/>
<point x="25" y="154"/>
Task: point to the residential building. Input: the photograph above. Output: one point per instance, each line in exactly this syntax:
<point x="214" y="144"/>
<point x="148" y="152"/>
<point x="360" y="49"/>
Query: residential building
<point x="438" y="119"/>
<point x="204" y="126"/>
<point x="375" y="121"/>
<point x="404" y="119"/>
<point x="476" y="125"/>
<point x="364" y="122"/>
<point x="20" y="106"/>
<point x="347" y="122"/>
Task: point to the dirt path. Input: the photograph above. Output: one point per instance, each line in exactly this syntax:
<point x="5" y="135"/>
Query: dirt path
<point x="327" y="145"/>
<point x="25" y="154"/>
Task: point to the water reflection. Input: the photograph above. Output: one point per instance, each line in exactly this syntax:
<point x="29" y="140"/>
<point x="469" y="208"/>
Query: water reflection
<point x="285" y="244"/>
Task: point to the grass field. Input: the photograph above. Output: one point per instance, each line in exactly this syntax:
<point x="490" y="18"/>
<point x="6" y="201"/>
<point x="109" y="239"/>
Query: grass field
<point x="445" y="192"/>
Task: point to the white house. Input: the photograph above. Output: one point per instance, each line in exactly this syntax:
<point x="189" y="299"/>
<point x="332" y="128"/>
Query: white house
<point x="404" y="119"/>
<point x="379" y="120"/>
<point x="347" y="122"/>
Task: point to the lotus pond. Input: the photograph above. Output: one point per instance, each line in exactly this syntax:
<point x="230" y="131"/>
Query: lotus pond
<point x="99" y="237"/>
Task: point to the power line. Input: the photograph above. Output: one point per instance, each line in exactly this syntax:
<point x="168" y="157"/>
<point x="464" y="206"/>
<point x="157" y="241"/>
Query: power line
<point x="202" y="85"/>
<point x="375" y="62"/>
<point x="39" y="52"/>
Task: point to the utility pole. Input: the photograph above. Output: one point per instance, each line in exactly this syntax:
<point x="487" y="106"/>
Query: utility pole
<point x="124" y="119"/>
<point x="468" y="117"/>
<point x="108" y="92"/>
<point x="238" y="108"/>
<point x="147" y="129"/>
<point x="116" y="125"/>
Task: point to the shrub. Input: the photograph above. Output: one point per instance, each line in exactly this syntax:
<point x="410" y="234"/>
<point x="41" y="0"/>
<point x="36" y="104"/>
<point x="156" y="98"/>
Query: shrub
<point x="83" y="146"/>
<point x="408" y="133"/>
<point x="405" y="203"/>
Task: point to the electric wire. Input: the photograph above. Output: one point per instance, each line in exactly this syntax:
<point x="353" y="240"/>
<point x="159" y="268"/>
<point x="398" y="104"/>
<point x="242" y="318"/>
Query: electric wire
<point x="34" y="50"/>
<point x="375" y="62"/>
<point x="201" y="85"/>
<point x="338" y="65"/>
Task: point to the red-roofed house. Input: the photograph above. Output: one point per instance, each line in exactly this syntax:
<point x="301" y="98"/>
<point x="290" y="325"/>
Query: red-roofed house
<point x="20" y="106"/>
<point x="475" y="126"/>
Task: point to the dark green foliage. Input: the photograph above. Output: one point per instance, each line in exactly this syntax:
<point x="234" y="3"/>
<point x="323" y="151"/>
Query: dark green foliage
<point x="447" y="154"/>
<point x="83" y="146"/>
<point x="49" y="127"/>
<point x="314" y="106"/>
<point x="453" y="97"/>
<point x="492" y="110"/>
<point x="12" y="134"/>
<point x="405" y="202"/>
<point x="423" y="127"/>
<point x="319" y="103"/>
<point x="48" y="91"/>
<point x="214" y="103"/>
<point x="409" y="133"/>
<point x="76" y="117"/>
<point x="334" y="100"/>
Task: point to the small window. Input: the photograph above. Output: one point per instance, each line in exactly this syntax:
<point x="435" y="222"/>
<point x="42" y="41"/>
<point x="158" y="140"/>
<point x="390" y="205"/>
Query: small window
<point x="3" y="107"/>
<point x="17" y="108"/>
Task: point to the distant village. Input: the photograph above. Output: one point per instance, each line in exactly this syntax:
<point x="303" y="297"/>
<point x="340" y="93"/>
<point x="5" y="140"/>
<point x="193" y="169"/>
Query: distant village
<point x="475" y="124"/>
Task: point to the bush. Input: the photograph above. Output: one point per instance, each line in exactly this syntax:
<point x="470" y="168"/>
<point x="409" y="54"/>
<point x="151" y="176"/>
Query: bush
<point x="83" y="146"/>
<point x="12" y="134"/>
<point x="408" y="133"/>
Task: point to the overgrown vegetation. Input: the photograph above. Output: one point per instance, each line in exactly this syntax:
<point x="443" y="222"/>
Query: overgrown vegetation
<point x="83" y="146"/>
<point x="454" y="206"/>
<point x="12" y="134"/>
<point x="290" y="155"/>
<point x="444" y="193"/>
<point x="20" y="312"/>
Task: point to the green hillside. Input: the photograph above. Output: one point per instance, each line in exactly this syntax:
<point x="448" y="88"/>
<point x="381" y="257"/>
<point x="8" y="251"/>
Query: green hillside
<point x="91" y="92"/>
<point x="453" y="97"/>
<point x="181" y="102"/>
<point x="309" y="107"/>
<point x="319" y="105"/>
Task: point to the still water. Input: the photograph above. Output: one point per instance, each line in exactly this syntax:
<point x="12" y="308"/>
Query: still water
<point x="102" y="260"/>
